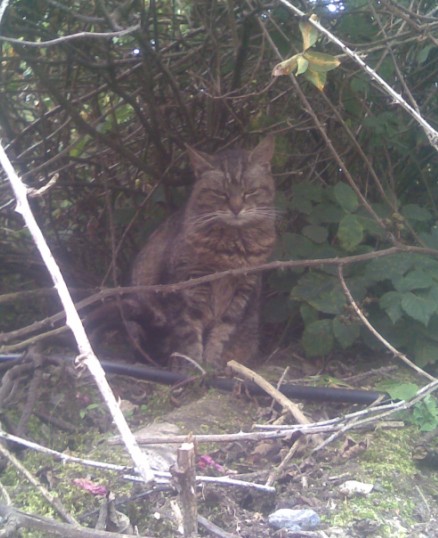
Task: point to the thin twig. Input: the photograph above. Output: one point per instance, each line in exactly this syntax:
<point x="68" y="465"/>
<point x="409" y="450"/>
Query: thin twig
<point x="379" y="337"/>
<point x="87" y="356"/>
<point x="71" y="37"/>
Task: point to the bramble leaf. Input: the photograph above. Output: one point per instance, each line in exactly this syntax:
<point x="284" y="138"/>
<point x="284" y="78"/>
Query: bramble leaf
<point x="321" y="291"/>
<point x="346" y="333"/>
<point x="416" y="213"/>
<point x="345" y="196"/>
<point x="318" y="234"/>
<point x="391" y="304"/>
<point x="399" y="391"/>
<point x="414" y="280"/>
<point x="318" y="338"/>
<point x="417" y="307"/>
<point x="350" y="232"/>
<point x="425" y="351"/>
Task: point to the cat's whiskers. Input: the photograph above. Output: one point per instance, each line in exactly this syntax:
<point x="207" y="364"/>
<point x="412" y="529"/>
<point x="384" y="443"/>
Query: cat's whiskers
<point x="226" y="216"/>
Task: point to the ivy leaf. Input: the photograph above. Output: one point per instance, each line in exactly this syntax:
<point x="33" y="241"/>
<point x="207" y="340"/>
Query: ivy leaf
<point x="346" y="333"/>
<point x="390" y="302"/>
<point x="350" y="232"/>
<point x="309" y="34"/>
<point x="418" y="308"/>
<point x="318" y="338"/>
<point x="346" y="197"/>
<point x="321" y="62"/>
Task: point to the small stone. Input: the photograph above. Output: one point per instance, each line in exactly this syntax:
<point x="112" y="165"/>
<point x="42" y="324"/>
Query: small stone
<point x="294" y="520"/>
<point x="351" y="488"/>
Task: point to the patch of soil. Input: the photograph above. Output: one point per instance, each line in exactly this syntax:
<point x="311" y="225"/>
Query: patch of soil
<point x="393" y="457"/>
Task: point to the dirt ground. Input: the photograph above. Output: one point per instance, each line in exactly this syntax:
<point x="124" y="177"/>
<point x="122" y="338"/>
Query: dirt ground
<point x="393" y="456"/>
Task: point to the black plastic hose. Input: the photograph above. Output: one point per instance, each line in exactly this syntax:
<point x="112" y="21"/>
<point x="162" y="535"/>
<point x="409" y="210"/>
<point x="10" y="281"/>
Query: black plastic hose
<point x="296" y="392"/>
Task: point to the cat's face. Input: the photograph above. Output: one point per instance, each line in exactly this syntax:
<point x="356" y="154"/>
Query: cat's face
<point x="233" y="188"/>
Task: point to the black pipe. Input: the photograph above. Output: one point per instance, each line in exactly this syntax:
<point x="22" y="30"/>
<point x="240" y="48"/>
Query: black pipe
<point x="297" y="392"/>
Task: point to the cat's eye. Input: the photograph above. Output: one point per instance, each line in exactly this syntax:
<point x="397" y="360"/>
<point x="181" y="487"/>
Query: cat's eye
<point x="219" y="194"/>
<point x="250" y="194"/>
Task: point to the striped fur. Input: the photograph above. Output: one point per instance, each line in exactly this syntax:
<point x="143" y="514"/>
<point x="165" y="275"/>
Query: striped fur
<point x="227" y="223"/>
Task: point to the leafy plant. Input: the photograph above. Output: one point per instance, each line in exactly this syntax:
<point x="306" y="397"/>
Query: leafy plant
<point x="398" y="293"/>
<point x="425" y="414"/>
<point x="312" y="64"/>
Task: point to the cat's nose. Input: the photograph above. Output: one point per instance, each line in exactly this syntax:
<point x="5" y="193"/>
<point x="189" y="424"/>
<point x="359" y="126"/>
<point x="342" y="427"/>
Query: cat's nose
<point x="236" y="204"/>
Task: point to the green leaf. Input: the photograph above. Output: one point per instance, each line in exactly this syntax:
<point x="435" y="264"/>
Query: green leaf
<point x="293" y="245"/>
<point x="418" y="308"/>
<point x="346" y="197"/>
<point x="399" y="391"/>
<point x="350" y="232"/>
<point x="414" y="280"/>
<point x="78" y="148"/>
<point x="308" y="314"/>
<point x="307" y="191"/>
<point x="431" y="238"/>
<point x="302" y="66"/>
<point x="321" y="62"/>
<point x="317" y="79"/>
<point x="425" y="351"/>
<point x="425" y="414"/>
<point x="309" y="34"/>
<point x="327" y="213"/>
<point x="416" y="213"/>
<point x="286" y="67"/>
<point x="318" y="234"/>
<point x="424" y="53"/>
<point x="390" y="302"/>
<point x="346" y="332"/>
<point x="317" y="338"/>
<point x="372" y="227"/>
<point x="321" y="291"/>
<point x="389" y="267"/>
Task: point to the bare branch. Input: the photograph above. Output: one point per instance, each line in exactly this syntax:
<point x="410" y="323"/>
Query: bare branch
<point x="72" y="37"/>
<point x="88" y="356"/>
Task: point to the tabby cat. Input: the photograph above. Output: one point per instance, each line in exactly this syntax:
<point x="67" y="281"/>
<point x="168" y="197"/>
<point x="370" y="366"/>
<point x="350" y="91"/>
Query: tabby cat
<point x="227" y="223"/>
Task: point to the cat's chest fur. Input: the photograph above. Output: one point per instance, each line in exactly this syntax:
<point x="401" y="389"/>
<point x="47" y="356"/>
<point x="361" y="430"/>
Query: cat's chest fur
<point x="227" y="223"/>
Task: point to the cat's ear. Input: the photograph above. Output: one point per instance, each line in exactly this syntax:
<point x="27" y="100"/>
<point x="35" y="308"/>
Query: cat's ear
<point x="263" y="152"/>
<point x="201" y="162"/>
